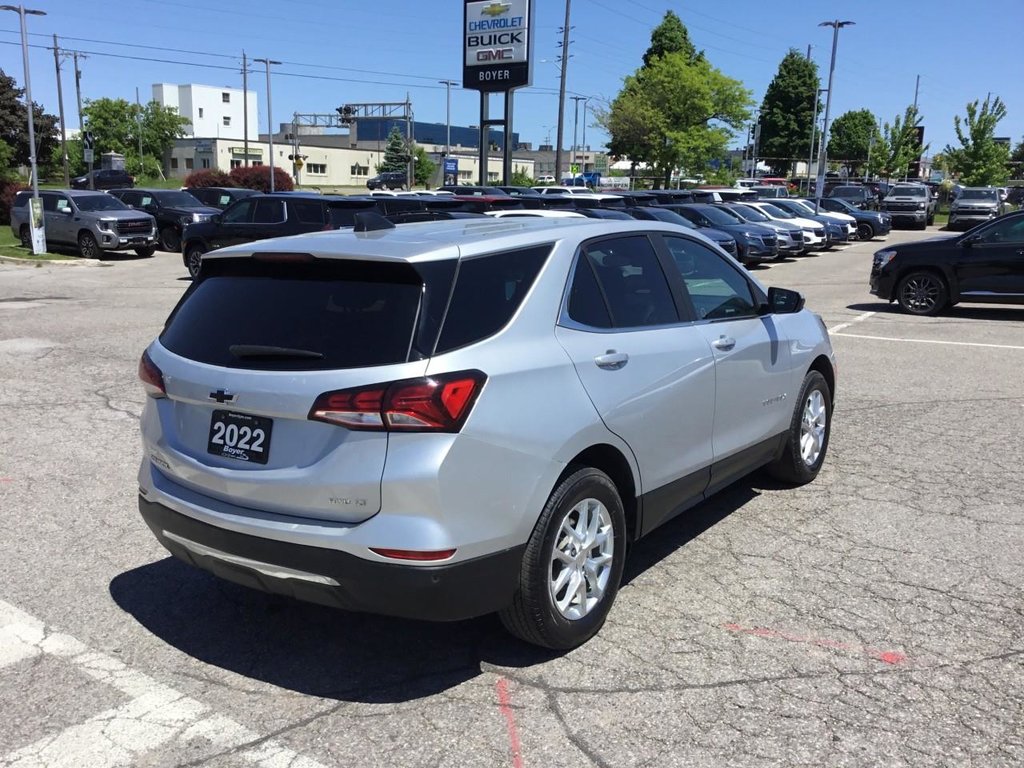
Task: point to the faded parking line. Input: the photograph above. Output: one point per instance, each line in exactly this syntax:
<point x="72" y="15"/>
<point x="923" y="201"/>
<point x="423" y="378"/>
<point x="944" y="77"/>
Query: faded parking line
<point x="857" y="319"/>
<point x="155" y="714"/>
<point x="925" y="341"/>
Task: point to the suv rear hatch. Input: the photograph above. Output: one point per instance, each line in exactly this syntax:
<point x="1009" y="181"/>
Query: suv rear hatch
<point x="247" y="352"/>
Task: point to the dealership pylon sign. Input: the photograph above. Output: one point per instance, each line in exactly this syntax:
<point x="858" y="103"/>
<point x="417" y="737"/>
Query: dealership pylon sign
<point x="497" y="45"/>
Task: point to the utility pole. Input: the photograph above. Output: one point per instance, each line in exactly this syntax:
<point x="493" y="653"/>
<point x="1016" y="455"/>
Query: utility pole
<point x="809" y="46"/>
<point x="448" y="115"/>
<point x="410" y="169"/>
<point x="583" y="141"/>
<point x="814" y="128"/>
<point x="245" y="110"/>
<point x="561" y="94"/>
<point x="138" y="123"/>
<point x="836" y="26"/>
<point x="917" y="88"/>
<point x="270" y="119"/>
<point x="575" y="127"/>
<point x="60" y="105"/>
<point x="81" y="125"/>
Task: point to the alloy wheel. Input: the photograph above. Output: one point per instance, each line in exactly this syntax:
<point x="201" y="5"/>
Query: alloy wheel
<point x="920" y="294"/>
<point x="812" y="427"/>
<point x="581" y="559"/>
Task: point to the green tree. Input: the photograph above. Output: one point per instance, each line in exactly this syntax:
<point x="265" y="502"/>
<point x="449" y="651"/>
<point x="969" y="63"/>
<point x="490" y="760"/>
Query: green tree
<point x="14" y="124"/>
<point x="675" y="113"/>
<point x="6" y="161"/>
<point x="425" y="167"/>
<point x="899" y="145"/>
<point x="671" y="37"/>
<point x="396" y="153"/>
<point x="116" y="126"/>
<point x="979" y="160"/>
<point x="852" y="137"/>
<point x="1017" y="161"/>
<point x="520" y="178"/>
<point x="787" y="112"/>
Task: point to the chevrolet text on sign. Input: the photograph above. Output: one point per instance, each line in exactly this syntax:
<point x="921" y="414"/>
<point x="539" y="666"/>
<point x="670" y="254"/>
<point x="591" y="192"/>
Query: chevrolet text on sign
<point x="496" y="45"/>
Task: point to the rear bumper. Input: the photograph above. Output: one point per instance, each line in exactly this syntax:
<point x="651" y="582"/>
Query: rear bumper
<point x="339" y="579"/>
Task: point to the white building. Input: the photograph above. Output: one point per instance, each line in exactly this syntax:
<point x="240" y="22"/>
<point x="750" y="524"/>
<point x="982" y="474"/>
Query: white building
<point x="212" y="112"/>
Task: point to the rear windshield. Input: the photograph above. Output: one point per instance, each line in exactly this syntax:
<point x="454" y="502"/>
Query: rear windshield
<point x="334" y="313"/>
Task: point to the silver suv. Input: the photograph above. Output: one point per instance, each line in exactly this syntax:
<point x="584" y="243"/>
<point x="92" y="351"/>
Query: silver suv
<point x="90" y="221"/>
<point x="448" y="419"/>
<point x="974" y="205"/>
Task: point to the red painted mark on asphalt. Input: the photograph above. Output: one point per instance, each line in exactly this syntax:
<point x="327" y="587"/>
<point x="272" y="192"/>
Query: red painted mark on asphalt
<point x="887" y="657"/>
<point x="510" y="721"/>
<point x="6" y="479"/>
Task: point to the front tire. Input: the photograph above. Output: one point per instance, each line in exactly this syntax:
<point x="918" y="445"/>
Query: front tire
<point x="146" y="252"/>
<point x="572" y="565"/>
<point x="865" y="231"/>
<point x="87" y="246"/>
<point x="194" y="260"/>
<point x="809" y="432"/>
<point x="922" y="293"/>
<point x="170" y="240"/>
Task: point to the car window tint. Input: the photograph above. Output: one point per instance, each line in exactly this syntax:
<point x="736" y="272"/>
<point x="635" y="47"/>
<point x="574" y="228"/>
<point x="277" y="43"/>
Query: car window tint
<point x="586" y="303"/>
<point x="1007" y="231"/>
<point x="268" y="212"/>
<point x="717" y="290"/>
<point x="308" y="211"/>
<point x="633" y="282"/>
<point x="63" y="204"/>
<point x="239" y="213"/>
<point x="49" y="202"/>
<point x="488" y="291"/>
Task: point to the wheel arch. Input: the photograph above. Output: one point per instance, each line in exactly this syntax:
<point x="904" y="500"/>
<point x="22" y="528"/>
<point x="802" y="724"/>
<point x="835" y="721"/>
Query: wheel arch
<point x="613" y="463"/>
<point x="952" y="288"/>
<point x="823" y="365"/>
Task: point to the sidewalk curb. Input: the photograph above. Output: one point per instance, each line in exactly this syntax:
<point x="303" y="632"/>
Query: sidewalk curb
<point x="61" y="262"/>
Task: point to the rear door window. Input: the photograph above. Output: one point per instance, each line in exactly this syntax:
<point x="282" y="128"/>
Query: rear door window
<point x="308" y="211"/>
<point x="268" y="212"/>
<point x="488" y="291"/>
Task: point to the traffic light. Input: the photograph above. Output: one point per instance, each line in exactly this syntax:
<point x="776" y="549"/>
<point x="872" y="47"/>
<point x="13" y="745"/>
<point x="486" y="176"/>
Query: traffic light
<point x="347" y="114"/>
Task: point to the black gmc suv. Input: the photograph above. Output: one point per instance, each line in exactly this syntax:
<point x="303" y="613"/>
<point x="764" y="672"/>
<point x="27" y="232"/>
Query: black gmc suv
<point x="173" y="211"/>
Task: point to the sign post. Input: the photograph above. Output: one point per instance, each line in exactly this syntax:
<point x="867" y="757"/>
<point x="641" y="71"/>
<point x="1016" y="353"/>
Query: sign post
<point x="497" y="58"/>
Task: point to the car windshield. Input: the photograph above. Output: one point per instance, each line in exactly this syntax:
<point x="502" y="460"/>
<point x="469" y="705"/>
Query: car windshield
<point x="749" y="214"/>
<point x="774" y="210"/>
<point x="908" y="192"/>
<point x="717" y="215"/>
<point x="177" y="198"/>
<point x="99" y="203"/>
<point x="843" y="204"/>
<point x="979" y="194"/>
<point x="848" y="192"/>
<point x="670" y="217"/>
<point x="802" y="205"/>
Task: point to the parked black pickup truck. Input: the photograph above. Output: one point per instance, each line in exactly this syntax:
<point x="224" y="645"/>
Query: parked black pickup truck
<point x="172" y="210"/>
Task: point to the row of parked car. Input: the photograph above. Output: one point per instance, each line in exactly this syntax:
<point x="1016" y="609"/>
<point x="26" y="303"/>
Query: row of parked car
<point x="196" y="221"/>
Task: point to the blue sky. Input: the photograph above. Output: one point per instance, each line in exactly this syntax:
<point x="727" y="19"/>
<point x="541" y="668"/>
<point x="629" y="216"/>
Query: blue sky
<point x="337" y="51"/>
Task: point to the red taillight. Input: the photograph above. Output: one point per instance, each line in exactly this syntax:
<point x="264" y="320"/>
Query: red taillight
<point x="414" y="554"/>
<point x="430" y="404"/>
<point x="151" y="377"/>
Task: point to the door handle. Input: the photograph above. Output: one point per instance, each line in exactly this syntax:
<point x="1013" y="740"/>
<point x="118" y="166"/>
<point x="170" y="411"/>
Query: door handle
<point x="724" y="343"/>
<point x="611" y="360"/>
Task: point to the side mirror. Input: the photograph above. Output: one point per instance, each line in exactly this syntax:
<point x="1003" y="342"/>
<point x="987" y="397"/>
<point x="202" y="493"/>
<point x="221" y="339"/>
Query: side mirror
<point x="216" y="218"/>
<point x="782" y="301"/>
<point x="970" y="240"/>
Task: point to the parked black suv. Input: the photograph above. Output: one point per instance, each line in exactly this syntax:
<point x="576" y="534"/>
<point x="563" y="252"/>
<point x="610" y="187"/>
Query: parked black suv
<point x="219" y="197"/>
<point x="282" y="214"/>
<point x="104" y="180"/>
<point x="388" y="180"/>
<point x="981" y="265"/>
<point x="172" y="209"/>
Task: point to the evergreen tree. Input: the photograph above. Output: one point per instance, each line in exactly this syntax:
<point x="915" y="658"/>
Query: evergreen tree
<point x="671" y="37"/>
<point x="396" y="153"/>
<point x="787" y="111"/>
<point x="980" y="160"/>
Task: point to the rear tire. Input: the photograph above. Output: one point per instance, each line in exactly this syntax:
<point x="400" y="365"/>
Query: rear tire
<point x="25" y="234"/>
<point x="808" y="436"/>
<point x="572" y="565"/>
<point x="87" y="246"/>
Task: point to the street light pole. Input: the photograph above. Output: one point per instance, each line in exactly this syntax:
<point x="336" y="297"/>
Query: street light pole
<point x="814" y="128"/>
<point x="836" y="26"/>
<point x="575" y="127"/>
<point x="448" y="115"/>
<point x="270" y="118"/>
<point x="22" y="12"/>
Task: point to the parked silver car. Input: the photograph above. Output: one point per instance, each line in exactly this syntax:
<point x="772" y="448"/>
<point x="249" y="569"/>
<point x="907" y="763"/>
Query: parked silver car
<point x="90" y="221"/>
<point x="974" y="205"/>
<point x="448" y="419"/>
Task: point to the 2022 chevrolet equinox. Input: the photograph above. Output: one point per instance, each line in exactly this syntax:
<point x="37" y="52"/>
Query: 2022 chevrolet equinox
<point x="453" y="418"/>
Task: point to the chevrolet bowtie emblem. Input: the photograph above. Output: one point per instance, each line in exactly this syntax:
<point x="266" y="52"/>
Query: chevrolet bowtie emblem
<point x="496" y="9"/>
<point x="221" y="396"/>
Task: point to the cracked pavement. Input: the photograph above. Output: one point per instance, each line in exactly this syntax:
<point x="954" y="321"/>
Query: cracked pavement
<point x="873" y="617"/>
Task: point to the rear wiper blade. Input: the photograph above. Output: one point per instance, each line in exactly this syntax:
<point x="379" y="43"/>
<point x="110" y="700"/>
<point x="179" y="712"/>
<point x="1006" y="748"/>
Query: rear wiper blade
<point x="244" y="351"/>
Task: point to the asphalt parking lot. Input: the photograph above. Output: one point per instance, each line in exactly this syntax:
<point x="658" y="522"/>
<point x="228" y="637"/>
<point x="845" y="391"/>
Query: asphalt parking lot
<point x="874" y="617"/>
